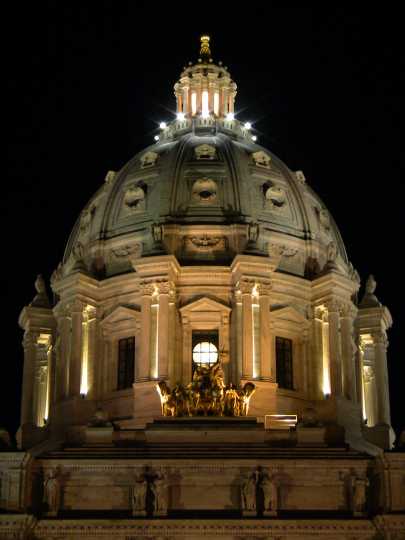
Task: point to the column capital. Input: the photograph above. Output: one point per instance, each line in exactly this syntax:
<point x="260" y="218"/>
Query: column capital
<point x="334" y="305"/>
<point x="264" y="287"/>
<point x="30" y="338"/>
<point x="148" y="288"/>
<point x="76" y="306"/>
<point x="245" y="286"/>
<point x="380" y="338"/>
<point x="348" y="310"/>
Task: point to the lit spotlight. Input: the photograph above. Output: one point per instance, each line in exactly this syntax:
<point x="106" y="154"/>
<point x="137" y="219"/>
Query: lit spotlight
<point x="163" y="125"/>
<point x="181" y="116"/>
<point x="254" y="138"/>
<point x="230" y="116"/>
<point x="248" y="125"/>
<point x="156" y="137"/>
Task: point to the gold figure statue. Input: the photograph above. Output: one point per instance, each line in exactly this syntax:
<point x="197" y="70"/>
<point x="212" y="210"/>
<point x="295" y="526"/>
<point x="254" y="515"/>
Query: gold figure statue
<point x="206" y="395"/>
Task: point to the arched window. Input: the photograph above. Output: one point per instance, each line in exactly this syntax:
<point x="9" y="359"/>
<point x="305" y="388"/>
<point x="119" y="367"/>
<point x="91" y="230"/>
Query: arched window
<point x="205" y="353"/>
<point x="284" y="363"/>
<point x="126" y="360"/>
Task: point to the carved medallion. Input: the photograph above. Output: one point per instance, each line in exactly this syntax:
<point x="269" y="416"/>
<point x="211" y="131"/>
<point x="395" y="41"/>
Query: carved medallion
<point x="205" y="152"/>
<point x="261" y="159"/>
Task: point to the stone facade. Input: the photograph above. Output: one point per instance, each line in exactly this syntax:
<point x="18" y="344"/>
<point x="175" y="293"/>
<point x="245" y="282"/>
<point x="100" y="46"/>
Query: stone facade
<point x="205" y="238"/>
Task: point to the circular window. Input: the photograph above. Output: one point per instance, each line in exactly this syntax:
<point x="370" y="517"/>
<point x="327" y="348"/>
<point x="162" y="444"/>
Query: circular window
<point x="204" y="190"/>
<point x="205" y="352"/>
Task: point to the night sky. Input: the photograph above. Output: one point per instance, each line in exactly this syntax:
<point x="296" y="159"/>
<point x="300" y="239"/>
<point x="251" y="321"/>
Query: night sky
<point x="87" y="82"/>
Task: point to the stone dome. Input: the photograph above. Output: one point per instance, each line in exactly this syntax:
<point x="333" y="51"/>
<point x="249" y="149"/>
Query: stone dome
<point x="205" y="192"/>
<point x="197" y="185"/>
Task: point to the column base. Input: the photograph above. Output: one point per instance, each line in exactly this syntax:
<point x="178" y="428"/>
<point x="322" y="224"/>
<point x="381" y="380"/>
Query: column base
<point x="270" y="513"/>
<point x="249" y="513"/>
<point x="382" y="435"/>
<point x="146" y="402"/>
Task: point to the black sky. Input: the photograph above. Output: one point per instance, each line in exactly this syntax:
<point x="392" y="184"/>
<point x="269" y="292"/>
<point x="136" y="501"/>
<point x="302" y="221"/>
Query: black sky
<point x="87" y="82"/>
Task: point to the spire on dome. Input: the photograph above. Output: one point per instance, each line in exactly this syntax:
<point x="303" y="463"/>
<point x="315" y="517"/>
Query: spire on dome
<point x="205" y="51"/>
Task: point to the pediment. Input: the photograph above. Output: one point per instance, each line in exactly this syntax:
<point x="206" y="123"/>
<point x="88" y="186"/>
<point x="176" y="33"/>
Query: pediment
<point x="289" y="313"/>
<point x="204" y="304"/>
<point x="119" y="314"/>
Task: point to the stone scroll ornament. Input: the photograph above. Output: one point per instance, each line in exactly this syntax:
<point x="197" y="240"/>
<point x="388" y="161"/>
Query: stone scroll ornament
<point x="206" y="395"/>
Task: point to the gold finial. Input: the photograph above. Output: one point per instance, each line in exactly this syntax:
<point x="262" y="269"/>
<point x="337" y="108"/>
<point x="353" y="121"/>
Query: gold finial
<point x="205" y="51"/>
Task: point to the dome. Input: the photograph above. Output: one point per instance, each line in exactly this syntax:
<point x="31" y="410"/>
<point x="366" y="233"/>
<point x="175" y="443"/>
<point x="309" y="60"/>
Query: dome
<point x="205" y="192"/>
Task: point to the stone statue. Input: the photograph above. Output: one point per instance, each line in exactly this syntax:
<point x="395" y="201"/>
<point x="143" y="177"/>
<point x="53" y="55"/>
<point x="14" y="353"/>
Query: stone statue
<point x="41" y="298"/>
<point x="371" y="285"/>
<point x="248" y="489"/>
<point x="270" y="495"/>
<point x="331" y="252"/>
<point x="157" y="232"/>
<point x="253" y="232"/>
<point x="52" y="493"/>
<point x="369" y="299"/>
<point x="99" y="419"/>
<point x="139" y="496"/>
<point x="159" y="490"/>
<point x="359" y="494"/>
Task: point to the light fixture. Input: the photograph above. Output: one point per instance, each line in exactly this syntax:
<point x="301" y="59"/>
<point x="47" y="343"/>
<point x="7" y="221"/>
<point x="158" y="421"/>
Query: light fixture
<point x="230" y="116"/>
<point x="156" y="137"/>
<point x="163" y="125"/>
<point x="254" y="138"/>
<point x="181" y="116"/>
<point x="248" y="125"/>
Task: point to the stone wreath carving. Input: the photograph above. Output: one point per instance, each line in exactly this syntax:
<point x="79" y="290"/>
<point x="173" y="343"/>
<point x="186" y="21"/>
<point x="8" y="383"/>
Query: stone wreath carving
<point x="134" y="198"/>
<point x="206" y="395"/>
<point x="274" y="197"/>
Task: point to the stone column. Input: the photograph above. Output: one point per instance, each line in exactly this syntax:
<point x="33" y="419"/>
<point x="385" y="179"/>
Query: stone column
<point x="166" y="291"/>
<point x="92" y="323"/>
<point x="272" y="353"/>
<point x="246" y="287"/>
<point x="224" y="346"/>
<point x="237" y="321"/>
<point x="334" y="349"/>
<point x="143" y="370"/>
<point x="348" y="312"/>
<point x="317" y="355"/>
<point x="63" y="368"/>
<point x="187" y="346"/>
<point x="265" y="337"/>
<point x="76" y="349"/>
<point x="30" y="352"/>
<point x="107" y="378"/>
<point x="381" y="374"/>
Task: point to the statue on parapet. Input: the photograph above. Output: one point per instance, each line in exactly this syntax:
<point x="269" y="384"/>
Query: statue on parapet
<point x="206" y="395"/>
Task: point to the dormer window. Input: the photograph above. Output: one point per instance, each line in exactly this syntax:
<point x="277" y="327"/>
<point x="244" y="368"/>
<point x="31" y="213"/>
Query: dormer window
<point x="149" y="159"/>
<point x="205" y="151"/>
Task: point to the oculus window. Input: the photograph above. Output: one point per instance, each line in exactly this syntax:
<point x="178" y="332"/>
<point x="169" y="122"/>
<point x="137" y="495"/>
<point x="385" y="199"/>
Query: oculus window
<point x="205" y="348"/>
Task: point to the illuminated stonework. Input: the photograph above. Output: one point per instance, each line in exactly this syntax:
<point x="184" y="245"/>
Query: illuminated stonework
<point x="228" y="248"/>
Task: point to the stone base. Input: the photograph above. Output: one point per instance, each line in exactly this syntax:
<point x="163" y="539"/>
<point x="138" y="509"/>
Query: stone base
<point x="311" y="436"/>
<point x="139" y="513"/>
<point x="160" y="513"/>
<point x="381" y="435"/>
<point x="205" y="429"/>
<point x="99" y="435"/>
<point x="249" y="513"/>
<point x="270" y="513"/>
